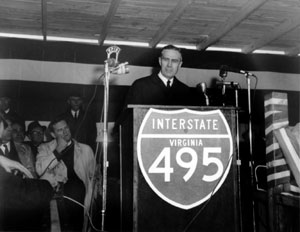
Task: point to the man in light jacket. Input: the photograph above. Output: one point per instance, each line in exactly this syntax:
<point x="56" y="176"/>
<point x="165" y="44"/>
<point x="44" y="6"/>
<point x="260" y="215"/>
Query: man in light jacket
<point x="70" y="166"/>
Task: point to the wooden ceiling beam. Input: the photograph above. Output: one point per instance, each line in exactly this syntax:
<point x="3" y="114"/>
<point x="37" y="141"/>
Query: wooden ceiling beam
<point x="44" y="19"/>
<point x="288" y="25"/>
<point x="169" y="22"/>
<point x="233" y="21"/>
<point x="108" y="19"/>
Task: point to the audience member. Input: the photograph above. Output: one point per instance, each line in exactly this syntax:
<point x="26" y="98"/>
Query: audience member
<point x="36" y="135"/>
<point x="5" y="107"/>
<point x="22" y="199"/>
<point x="24" y="151"/>
<point x="71" y="165"/>
<point x="81" y="123"/>
<point x="7" y="147"/>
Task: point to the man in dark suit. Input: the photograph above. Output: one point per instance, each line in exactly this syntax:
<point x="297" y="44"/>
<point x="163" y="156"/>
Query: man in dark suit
<point x="7" y="147"/>
<point x="82" y="125"/>
<point x="162" y="88"/>
<point x="5" y="107"/>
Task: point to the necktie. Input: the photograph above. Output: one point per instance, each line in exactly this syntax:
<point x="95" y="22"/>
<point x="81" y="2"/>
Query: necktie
<point x="168" y="84"/>
<point x="75" y="114"/>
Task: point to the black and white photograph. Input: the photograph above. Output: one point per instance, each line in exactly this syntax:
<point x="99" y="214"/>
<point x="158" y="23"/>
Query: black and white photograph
<point x="149" y="115"/>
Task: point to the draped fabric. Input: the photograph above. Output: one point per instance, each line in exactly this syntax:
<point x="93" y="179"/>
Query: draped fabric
<point x="289" y="143"/>
<point x="282" y="145"/>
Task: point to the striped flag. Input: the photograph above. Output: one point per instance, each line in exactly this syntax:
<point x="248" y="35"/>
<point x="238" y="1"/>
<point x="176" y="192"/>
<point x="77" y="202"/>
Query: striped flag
<point x="276" y="116"/>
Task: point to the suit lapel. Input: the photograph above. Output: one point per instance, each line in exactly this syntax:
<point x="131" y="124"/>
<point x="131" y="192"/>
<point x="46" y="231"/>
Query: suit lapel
<point x="13" y="154"/>
<point x="1" y="152"/>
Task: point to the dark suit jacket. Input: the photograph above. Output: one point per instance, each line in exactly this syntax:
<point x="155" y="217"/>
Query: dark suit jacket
<point x="151" y="90"/>
<point x="22" y="201"/>
<point x="13" y="154"/>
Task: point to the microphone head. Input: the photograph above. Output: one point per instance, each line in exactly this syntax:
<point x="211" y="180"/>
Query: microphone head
<point x="223" y="71"/>
<point x="203" y="90"/>
<point x="202" y="87"/>
<point x="121" y="69"/>
<point x="111" y="62"/>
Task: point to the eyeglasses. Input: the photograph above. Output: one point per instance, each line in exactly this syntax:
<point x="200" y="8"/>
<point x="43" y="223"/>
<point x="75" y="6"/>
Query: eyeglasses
<point x="37" y="132"/>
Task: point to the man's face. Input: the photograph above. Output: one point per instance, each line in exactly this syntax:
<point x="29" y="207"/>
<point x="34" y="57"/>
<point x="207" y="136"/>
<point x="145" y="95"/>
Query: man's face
<point x="62" y="130"/>
<point x="7" y="133"/>
<point x="37" y="135"/>
<point x="75" y="102"/>
<point x="4" y="103"/>
<point x="170" y="62"/>
<point x="18" y="133"/>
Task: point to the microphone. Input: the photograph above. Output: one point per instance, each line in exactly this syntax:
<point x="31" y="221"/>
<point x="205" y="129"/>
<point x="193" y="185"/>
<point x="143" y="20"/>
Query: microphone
<point x="121" y="69"/>
<point x="203" y="89"/>
<point x="111" y="62"/>
<point x="227" y="83"/>
<point x="202" y="86"/>
<point x="224" y="69"/>
<point x="223" y="72"/>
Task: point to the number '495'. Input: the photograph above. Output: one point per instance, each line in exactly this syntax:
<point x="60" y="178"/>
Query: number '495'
<point x="191" y="165"/>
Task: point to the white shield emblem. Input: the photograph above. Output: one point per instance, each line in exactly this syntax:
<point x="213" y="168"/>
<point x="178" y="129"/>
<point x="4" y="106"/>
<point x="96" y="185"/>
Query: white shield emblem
<point x="184" y="155"/>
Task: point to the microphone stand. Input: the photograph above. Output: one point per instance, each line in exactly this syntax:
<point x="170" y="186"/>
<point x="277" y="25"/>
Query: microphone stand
<point x="105" y="143"/>
<point x="251" y="163"/>
<point x="238" y="158"/>
<point x="223" y="92"/>
<point x="119" y="69"/>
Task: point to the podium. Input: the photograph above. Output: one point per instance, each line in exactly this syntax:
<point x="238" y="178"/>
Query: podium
<point x="143" y="209"/>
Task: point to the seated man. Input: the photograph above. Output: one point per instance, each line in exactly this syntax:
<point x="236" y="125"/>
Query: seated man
<point x="24" y="151"/>
<point x="22" y="199"/>
<point x="35" y="133"/>
<point x="7" y="147"/>
<point x="70" y="165"/>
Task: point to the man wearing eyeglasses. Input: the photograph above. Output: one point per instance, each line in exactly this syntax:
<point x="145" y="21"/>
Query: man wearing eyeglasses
<point x="162" y="88"/>
<point x="35" y="133"/>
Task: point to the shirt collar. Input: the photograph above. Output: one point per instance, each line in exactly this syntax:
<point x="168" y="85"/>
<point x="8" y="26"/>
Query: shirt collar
<point x="165" y="80"/>
<point x="7" y="144"/>
<point x="73" y="112"/>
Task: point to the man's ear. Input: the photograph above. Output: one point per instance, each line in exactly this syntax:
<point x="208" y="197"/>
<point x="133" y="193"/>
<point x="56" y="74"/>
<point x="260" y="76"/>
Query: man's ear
<point x="180" y="64"/>
<point x="159" y="60"/>
<point x="52" y="134"/>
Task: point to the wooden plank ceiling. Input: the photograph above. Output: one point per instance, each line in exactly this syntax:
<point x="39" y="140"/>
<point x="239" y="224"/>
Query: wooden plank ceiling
<point x="239" y="24"/>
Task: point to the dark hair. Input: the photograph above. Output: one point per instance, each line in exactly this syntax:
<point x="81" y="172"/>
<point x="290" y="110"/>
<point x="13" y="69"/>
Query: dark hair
<point x="75" y="94"/>
<point x="35" y="124"/>
<point x="19" y="122"/>
<point x="56" y="120"/>
<point x="170" y="47"/>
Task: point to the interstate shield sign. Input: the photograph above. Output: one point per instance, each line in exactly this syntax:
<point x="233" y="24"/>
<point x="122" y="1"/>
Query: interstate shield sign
<point x="184" y="155"/>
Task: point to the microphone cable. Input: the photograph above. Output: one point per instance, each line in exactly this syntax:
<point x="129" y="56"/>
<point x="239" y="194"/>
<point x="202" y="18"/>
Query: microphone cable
<point x="88" y="106"/>
<point x="88" y="215"/>
<point x="210" y="197"/>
